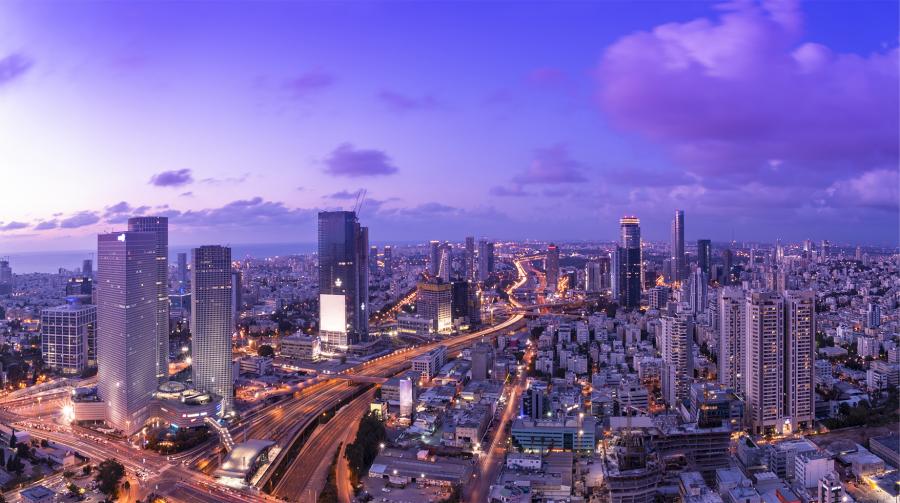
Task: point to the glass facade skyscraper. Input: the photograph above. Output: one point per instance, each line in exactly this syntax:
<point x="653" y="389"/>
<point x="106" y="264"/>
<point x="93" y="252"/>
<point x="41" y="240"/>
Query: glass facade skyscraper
<point x="126" y="326"/>
<point x="159" y="226"/>
<point x="703" y="256"/>
<point x="212" y="322"/>
<point x="343" y="280"/>
<point x="679" y="268"/>
<point x="629" y="263"/>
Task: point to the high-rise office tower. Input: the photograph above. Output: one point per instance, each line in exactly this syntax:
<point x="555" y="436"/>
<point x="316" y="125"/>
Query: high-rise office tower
<point x="679" y="268"/>
<point x="704" y="255"/>
<point x="470" y="258"/>
<point x="459" y="302"/>
<point x="6" y="278"/>
<point x="629" y="263"/>
<point x="826" y="248"/>
<point x="434" y="301"/>
<point x="127" y="335"/>
<point x="68" y="337"/>
<point x="726" y="266"/>
<point x="373" y="260"/>
<point x="87" y="268"/>
<point x="388" y="260"/>
<point x="343" y="280"/>
<point x="799" y="354"/>
<point x="615" y="274"/>
<point x="159" y="226"/>
<point x="212" y="323"/>
<point x="182" y="272"/>
<point x="434" y="257"/>
<point x="677" y="356"/>
<point x="485" y="259"/>
<point x="605" y="271"/>
<point x="698" y="287"/>
<point x="593" y="281"/>
<point x="858" y="255"/>
<point x="445" y="262"/>
<point x="732" y="338"/>
<point x="237" y="298"/>
<point x="873" y="315"/>
<point x="551" y="265"/>
<point x="764" y="388"/>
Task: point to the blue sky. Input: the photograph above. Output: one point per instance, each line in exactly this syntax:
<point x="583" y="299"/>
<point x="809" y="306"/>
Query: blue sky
<point x="506" y="119"/>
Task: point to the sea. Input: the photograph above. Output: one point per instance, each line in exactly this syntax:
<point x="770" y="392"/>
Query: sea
<point x="52" y="261"/>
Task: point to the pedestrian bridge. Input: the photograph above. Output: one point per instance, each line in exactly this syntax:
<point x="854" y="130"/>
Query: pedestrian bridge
<point x="224" y="434"/>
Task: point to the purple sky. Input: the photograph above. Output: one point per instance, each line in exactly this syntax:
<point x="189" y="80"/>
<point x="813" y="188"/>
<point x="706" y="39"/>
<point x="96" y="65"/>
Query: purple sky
<point x="512" y="120"/>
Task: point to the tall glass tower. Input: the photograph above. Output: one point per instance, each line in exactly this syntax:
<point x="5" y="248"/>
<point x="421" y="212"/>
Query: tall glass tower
<point x="126" y="326"/>
<point x="159" y="226"/>
<point x="343" y="280"/>
<point x="679" y="269"/>
<point x="628" y="257"/>
<point x="212" y="322"/>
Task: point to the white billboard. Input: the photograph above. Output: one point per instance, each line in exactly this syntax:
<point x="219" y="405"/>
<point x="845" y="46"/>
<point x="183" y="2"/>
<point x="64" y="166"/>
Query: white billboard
<point x="332" y="313"/>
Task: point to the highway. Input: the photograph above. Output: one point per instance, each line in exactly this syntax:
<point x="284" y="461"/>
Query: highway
<point x="297" y="479"/>
<point x="281" y="422"/>
<point x="306" y="476"/>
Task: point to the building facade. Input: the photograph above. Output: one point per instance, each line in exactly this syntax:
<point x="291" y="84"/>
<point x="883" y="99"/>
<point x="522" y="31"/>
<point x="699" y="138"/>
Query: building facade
<point x="212" y="323"/>
<point x="127" y="328"/>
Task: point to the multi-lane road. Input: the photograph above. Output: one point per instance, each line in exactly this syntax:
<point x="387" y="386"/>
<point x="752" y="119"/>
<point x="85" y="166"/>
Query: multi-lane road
<point x="280" y="422"/>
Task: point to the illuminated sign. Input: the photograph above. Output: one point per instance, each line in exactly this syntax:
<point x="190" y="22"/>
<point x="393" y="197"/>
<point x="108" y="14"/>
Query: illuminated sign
<point x="332" y="313"/>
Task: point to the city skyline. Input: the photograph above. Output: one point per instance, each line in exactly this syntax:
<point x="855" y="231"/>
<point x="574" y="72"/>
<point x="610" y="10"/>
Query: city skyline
<point x="272" y="129"/>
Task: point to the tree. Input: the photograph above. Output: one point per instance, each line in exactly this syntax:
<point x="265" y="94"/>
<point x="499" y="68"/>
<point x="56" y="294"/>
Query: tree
<point x="362" y="452"/>
<point x="74" y="490"/>
<point x="12" y="439"/>
<point x="15" y="465"/>
<point x="109" y="473"/>
<point x="266" y="351"/>
<point x="86" y="470"/>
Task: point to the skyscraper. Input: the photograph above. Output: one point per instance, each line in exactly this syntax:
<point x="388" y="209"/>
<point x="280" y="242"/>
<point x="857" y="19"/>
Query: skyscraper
<point x="592" y="277"/>
<point x="87" y="268"/>
<point x="159" y="226"/>
<point x="373" y="260"/>
<point x="445" y="262"/>
<point x="6" y="278"/>
<point x="434" y="257"/>
<point x="764" y="388"/>
<point x="732" y="338"/>
<point x="343" y="280"/>
<point x="679" y="269"/>
<point x="552" y="267"/>
<point x="388" y="260"/>
<point x="677" y="356"/>
<point x="470" y="258"/>
<point x="237" y="299"/>
<point x="485" y="259"/>
<point x="127" y="309"/>
<point x="629" y="263"/>
<point x="726" y="266"/>
<point x="799" y="353"/>
<point x="698" y="287"/>
<point x="703" y="256"/>
<point x="212" y="322"/>
<point x="434" y="301"/>
<point x="182" y="273"/>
